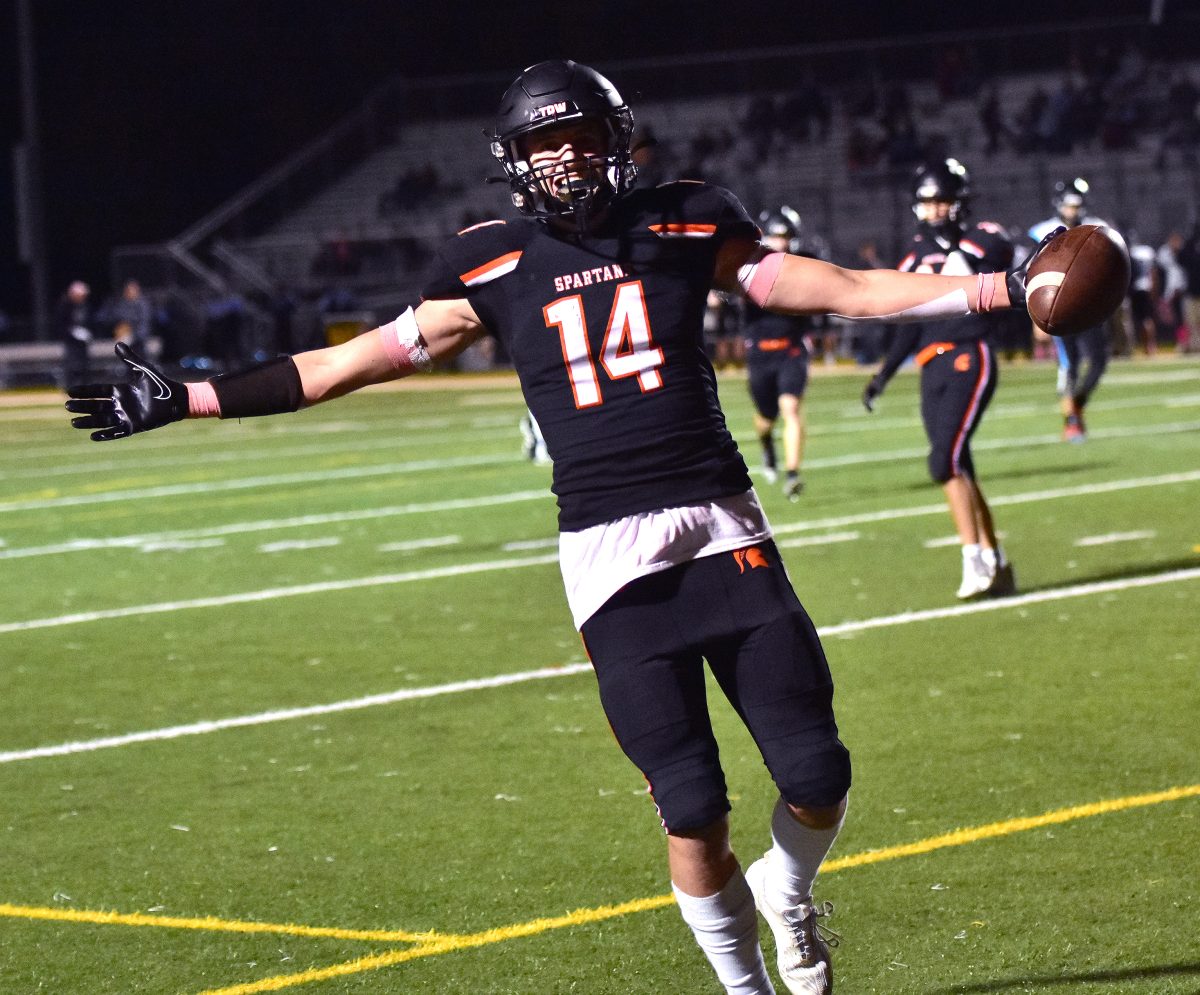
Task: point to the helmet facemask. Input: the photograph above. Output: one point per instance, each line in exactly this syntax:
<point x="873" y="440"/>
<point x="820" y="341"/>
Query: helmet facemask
<point x="578" y="187"/>
<point x="564" y="95"/>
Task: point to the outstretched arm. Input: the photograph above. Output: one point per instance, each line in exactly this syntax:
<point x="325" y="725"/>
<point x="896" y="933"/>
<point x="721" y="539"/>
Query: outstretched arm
<point x="799" y="285"/>
<point x="436" y="330"/>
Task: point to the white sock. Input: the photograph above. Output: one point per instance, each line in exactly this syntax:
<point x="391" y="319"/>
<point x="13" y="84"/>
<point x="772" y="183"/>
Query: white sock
<point x="726" y="927"/>
<point x="992" y="558"/>
<point x="796" y="857"/>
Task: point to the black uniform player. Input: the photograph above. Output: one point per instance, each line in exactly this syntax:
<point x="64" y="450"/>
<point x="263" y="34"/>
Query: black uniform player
<point x="958" y="367"/>
<point x="598" y="292"/>
<point x="777" y="355"/>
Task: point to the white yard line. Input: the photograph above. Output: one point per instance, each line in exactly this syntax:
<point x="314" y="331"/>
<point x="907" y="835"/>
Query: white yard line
<point x="285" y="714"/>
<point x="273" y="524"/>
<point x="1017" y="601"/>
<point x="290" y="545"/>
<point x="273" y="593"/>
<point x="411" y="545"/>
<point x="821" y="540"/>
<point x="844" y="629"/>
<point x="1083" y="490"/>
<point x="489" y="565"/>
<point x="1111" y="537"/>
<point x="248" y="483"/>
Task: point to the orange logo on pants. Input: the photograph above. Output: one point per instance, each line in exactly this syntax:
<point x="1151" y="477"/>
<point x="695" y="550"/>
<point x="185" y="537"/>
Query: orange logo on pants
<point x="962" y="363"/>
<point x="751" y="557"/>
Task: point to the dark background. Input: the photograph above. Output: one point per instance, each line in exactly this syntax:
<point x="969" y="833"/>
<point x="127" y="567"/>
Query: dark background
<point x="152" y="114"/>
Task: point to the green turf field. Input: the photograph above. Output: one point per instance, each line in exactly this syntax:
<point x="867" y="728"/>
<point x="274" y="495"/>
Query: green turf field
<point x="257" y="737"/>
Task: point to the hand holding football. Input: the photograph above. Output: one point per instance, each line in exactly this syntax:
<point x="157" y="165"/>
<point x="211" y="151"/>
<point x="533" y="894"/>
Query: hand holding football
<point x="1078" y="279"/>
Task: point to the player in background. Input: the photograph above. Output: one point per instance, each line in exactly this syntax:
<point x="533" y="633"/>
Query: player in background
<point x="958" y="366"/>
<point x="777" y="354"/>
<point x="1090" y="348"/>
<point x="598" y="289"/>
<point x="533" y="443"/>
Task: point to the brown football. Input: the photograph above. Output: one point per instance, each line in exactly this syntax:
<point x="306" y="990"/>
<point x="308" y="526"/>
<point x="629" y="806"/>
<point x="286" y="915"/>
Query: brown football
<point x="1078" y="279"/>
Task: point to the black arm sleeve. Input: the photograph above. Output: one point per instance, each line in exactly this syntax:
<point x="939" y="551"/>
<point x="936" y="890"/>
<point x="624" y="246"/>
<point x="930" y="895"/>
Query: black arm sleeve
<point x="270" y="388"/>
<point x="903" y="341"/>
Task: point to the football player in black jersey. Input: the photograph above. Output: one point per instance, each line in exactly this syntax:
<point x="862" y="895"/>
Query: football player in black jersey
<point x="958" y="367"/>
<point x="777" y="364"/>
<point x="598" y="288"/>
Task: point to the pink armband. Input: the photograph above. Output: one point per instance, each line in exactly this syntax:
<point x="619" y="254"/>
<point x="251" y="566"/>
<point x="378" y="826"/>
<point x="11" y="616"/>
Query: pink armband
<point x="404" y="346"/>
<point x="985" y="291"/>
<point x="202" y="400"/>
<point x="758" y="274"/>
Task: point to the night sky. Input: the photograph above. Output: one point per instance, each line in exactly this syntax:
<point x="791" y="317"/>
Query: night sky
<point x="154" y="113"/>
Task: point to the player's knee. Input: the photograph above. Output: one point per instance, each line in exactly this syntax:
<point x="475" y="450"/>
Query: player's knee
<point x="941" y="467"/>
<point x="689" y="800"/>
<point x="819" y="779"/>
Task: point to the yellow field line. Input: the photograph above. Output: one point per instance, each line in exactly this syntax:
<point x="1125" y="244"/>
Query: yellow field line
<point x="445" y="944"/>
<point x="960" y="836"/>
<point x="211" y="923"/>
<point x="432" y="943"/>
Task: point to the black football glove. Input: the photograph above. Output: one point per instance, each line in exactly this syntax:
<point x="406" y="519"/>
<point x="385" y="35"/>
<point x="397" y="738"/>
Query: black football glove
<point x="872" y="391"/>
<point x="117" y="410"/>
<point x="1015" y="278"/>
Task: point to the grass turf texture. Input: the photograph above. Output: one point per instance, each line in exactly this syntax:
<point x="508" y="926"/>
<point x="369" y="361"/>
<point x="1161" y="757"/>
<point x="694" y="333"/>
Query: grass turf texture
<point x="499" y="807"/>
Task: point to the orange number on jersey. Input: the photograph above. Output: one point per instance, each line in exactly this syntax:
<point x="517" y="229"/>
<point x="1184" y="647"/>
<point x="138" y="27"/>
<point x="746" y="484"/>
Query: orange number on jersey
<point x="628" y="348"/>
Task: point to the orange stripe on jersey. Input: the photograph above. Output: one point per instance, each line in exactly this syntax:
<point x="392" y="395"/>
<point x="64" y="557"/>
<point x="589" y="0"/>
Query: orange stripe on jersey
<point x="491" y="270"/>
<point x="906" y="262"/>
<point x="968" y="246"/>
<point x="683" y="231"/>
<point x="483" y="224"/>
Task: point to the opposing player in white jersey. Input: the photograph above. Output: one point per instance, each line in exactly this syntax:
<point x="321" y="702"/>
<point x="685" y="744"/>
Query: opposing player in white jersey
<point x="1089" y="349"/>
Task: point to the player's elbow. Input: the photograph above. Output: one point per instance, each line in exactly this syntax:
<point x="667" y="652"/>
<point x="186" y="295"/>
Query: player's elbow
<point x="849" y="293"/>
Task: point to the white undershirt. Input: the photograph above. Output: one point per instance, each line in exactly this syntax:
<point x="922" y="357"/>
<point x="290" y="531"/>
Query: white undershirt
<point x="599" y="561"/>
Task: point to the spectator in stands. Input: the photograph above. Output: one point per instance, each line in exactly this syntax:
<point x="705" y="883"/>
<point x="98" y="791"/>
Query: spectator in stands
<point x="805" y="113"/>
<point x="1189" y="259"/>
<point x="133" y="317"/>
<point x="1028" y="119"/>
<point x="1181" y="127"/>
<point x="862" y="148"/>
<point x="223" y="327"/>
<point x="283" y="308"/>
<point x="337" y="300"/>
<point x="73" y="327"/>
<point x="759" y="124"/>
<point x="991" y="117"/>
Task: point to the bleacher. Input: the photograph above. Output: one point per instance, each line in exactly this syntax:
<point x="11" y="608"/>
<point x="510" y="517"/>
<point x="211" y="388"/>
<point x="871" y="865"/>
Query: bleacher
<point x="843" y="206"/>
<point x="322" y="221"/>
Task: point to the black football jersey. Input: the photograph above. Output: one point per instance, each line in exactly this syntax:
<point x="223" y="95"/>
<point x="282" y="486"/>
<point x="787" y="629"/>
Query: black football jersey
<point x="605" y="331"/>
<point x="769" y="334"/>
<point x="983" y="248"/>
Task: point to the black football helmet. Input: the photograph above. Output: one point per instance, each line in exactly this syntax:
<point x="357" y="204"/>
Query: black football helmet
<point x="551" y="93"/>
<point x="1070" y="199"/>
<point x="781" y="221"/>
<point x="948" y="182"/>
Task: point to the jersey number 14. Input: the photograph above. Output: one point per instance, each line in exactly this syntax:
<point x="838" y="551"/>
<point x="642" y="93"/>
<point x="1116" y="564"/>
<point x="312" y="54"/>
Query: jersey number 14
<point x="628" y="348"/>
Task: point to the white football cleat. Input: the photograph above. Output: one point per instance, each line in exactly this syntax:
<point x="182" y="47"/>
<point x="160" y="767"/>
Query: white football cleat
<point x="976" y="580"/>
<point x="802" y="953"/>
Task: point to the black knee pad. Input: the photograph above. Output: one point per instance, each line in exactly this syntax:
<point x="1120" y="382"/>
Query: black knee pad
<point x="690" y="798"/>
<point x="939" y="465"/>
<point x="820" y="778"/>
